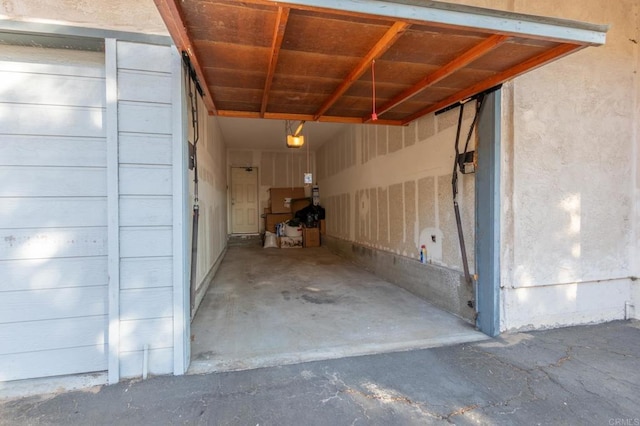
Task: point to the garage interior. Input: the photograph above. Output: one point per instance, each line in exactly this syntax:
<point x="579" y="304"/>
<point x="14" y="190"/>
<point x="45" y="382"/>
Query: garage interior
<point x="355" y="63"/>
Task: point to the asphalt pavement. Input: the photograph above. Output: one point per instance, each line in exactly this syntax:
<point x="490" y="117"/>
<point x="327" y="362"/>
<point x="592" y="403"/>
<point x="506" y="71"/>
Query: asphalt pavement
<point x="586" y="375"/>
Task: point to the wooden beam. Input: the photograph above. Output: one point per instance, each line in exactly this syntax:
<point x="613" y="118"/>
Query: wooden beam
<point x="172" y="17"/>
<point x="378" y="50"/>
<point x="303" y="117"/>
<point x="456" y="64"/>
<point x="460" y="16"/>
<point x="278" y="36"/>
<point x="521" y="68"/>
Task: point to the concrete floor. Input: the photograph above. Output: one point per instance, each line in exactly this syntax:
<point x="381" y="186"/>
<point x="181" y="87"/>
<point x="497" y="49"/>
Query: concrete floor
<point x="269" y="307"/>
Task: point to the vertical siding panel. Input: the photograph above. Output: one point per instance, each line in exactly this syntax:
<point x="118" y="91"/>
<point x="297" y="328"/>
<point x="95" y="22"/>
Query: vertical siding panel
<point x="145" y="177"/>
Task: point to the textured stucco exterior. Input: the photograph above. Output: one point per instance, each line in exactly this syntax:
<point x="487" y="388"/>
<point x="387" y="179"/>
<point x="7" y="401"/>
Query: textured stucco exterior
<point x="570" y="176"/>
<point x="136" y="16"/>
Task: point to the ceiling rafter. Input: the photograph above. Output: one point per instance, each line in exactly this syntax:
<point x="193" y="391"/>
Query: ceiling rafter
<point x="528" y="65"/>
<point x="253" y="73"/>
<point x="303" y="117"/>
<point x="278" y="36"/>
<point x="385" y="42"/>
<point x="172" y="16"/>
<point x="456" y="64"/>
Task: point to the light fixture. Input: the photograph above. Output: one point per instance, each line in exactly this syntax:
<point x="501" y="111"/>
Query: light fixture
<point x="294" y="138"/>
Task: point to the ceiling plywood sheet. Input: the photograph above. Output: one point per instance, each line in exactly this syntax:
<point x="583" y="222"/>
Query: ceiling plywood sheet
<point x="314" y="65"/>
<point x="463" y="79"/>
<point x="317" y="34"/>
<point x="230" y="56"/>
<point x="232" y="78"/>
<point x="507" y="56"/>
<point x="278" y="59"/>
<point x="429" y="48"/>
<point x="226" y="94"/>
<point x="397" y="72"/>
<point x="364" y="89"/>
<point x="229" y="23"/>
<point x="304" y="84"/>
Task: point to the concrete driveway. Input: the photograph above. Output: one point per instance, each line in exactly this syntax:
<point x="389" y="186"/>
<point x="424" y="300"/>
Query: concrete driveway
<point x="587" y="375"/>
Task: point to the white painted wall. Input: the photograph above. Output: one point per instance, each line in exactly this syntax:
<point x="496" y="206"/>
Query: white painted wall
<point x="390" y="188"/>
<point x="212" y="193"/>
<point x="53" y="223"/>
<point x="123" y="15"/>
<point x="145" y="137"/>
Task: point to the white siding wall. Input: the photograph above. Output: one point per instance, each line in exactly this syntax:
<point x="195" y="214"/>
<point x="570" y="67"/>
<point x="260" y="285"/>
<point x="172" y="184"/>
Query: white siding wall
<point x="145" y="205"/>
<point x="53" y="239"/>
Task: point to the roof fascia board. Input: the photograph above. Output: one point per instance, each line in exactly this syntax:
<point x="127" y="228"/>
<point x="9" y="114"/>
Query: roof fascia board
<point x="81" y="32"/>
<point x="468" y="17"/>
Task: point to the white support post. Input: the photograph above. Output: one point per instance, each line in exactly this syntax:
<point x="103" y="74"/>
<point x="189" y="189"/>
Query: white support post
<point x="181" y="291"/>
<point x="113" y="221"/>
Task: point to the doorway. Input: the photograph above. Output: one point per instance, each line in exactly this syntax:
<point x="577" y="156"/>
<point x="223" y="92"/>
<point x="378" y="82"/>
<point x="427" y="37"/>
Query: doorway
<point x="244" y="200"/>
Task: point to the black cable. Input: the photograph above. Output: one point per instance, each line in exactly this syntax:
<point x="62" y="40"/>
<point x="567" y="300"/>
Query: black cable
<point x="454" y="176"/>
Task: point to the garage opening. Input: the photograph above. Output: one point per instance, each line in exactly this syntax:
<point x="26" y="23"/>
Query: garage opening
<point x="383" y="69"/>
<point x="271" y="306"/>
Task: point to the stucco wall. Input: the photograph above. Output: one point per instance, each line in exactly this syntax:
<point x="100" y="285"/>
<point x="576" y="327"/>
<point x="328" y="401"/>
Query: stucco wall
<point x="574" y="138"/>
<point x="123" y="15"/>
<point x="570" y="181"/>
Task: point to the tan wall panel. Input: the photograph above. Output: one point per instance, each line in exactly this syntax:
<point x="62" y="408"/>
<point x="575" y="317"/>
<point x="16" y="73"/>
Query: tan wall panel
<point x="396" y="216"/>
<point x="395" y="139"/>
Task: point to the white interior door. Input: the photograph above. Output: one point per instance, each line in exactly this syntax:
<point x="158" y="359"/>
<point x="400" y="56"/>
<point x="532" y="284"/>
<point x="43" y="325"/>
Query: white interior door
<point x="244" y="201"/>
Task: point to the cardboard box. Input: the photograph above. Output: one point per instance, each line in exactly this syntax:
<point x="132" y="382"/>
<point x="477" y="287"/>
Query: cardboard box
<point x="290" y="242"/>
<point x="323" y="227"/>
<point x="299" y="204"/>
<point x="271" y="220"/>
<point x="278" y="196"/>
<point x="311" y="237"/>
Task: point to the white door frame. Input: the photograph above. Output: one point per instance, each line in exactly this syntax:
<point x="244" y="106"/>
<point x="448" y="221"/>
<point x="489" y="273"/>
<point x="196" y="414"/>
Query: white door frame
<point x="229" y="199"/>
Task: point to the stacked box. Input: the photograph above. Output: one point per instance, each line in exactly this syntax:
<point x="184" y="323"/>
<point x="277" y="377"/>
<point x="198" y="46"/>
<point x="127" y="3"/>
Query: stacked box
<point x="278" y="198"/>
<point x="271" y="220"/>
<point x="311" y="237"/>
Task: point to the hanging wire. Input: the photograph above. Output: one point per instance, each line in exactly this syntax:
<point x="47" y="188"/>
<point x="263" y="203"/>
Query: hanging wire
<point x="374" y="116"/>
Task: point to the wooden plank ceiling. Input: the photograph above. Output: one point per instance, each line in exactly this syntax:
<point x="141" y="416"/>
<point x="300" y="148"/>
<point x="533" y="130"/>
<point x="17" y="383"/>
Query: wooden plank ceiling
<point x="263" y="59"/>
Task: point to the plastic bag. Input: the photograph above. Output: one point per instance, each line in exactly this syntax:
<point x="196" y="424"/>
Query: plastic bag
<point x="270" y="240"/>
